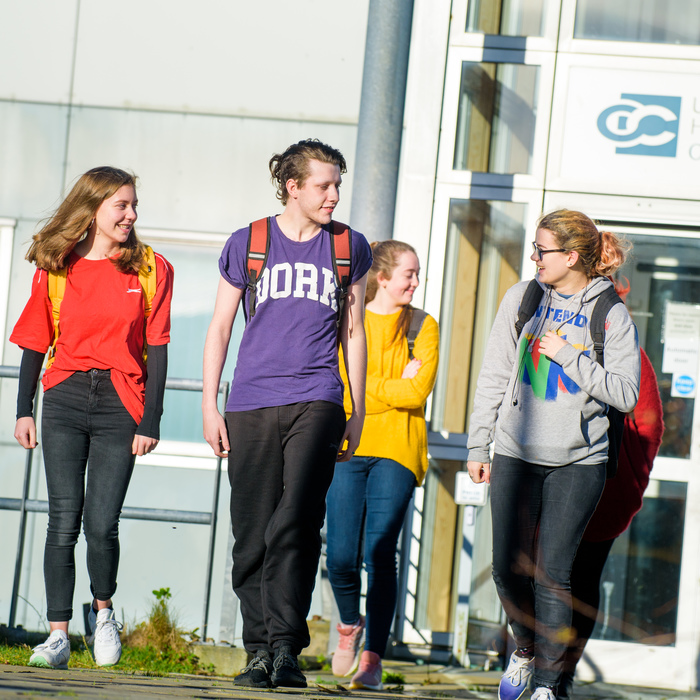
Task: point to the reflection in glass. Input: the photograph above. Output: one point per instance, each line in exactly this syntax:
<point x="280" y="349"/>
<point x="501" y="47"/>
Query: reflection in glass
<point x="506" y="17"/>
<point x="496" y="118"/>
<point x="653" y="21"/>
<point x="483" y="260"/>
<point x="641" y="579"/>
<point x="664" y="269"/>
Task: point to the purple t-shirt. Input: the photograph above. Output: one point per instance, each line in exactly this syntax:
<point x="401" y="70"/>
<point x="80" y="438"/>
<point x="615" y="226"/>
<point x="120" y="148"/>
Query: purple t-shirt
<point x="288" y="353"/>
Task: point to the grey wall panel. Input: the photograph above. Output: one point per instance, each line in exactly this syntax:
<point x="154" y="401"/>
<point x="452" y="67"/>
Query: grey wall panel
<point x="32" y="144"/>
<point x="36" y="49"/>
<point x="273" y="58"/>
<point x="198" y="173"/>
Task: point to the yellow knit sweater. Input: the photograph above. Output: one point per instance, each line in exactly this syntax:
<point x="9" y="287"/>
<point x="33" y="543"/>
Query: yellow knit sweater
<point x="395" y="423"/>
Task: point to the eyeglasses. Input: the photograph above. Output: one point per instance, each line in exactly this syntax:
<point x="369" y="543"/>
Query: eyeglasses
<point x="539" y="252"/>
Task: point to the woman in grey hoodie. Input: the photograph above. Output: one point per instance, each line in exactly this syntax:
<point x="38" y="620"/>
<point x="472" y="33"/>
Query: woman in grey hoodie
<point x="542" y="400"/>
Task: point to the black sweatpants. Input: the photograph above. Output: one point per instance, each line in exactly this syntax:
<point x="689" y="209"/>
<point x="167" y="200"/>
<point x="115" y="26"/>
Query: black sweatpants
<point x="280" y="467"/>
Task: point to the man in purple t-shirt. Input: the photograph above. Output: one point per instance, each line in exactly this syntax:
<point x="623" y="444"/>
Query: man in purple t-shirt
<point x="285" y="424"/>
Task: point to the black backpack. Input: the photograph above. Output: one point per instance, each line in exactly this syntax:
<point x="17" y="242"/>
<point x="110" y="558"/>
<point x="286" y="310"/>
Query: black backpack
<point x="603" y="304"/>
<point x="417" y="318"/>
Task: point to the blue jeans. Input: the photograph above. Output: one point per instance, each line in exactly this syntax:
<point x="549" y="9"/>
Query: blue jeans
<point x="539" y="515"/>
<point x="368" y="496"/>
<point x="85" y="430"/>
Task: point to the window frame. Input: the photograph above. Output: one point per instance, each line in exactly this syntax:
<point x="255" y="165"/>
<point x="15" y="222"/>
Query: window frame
<point x="7" y="234"/>
<point x="456" y="56"/>
<point x="547" y="42"/>
<point x="604" y="47"/>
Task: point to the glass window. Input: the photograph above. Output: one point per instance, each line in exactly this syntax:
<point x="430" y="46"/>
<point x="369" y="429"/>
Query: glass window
<point x="653" y="21"/>
<point x="496" y="118"/>
<point x="663" y="270"/>
<point x="483" y="259"/>
<point x="196" y="282"/>
<point x="641" y="580"/>
<point x="506" y="17"/>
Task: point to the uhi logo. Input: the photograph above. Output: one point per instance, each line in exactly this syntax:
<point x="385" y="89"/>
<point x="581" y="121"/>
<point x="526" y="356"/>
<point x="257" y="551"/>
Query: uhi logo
<point x="643" y="125"/>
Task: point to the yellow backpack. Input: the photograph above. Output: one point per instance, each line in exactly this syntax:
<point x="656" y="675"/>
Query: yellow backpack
<point x="57" y="288"/>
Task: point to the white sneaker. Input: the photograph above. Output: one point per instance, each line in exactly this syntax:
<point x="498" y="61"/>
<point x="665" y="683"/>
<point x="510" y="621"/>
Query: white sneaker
<point x="516" y="679"/>
<point x="107" y="644"/>
<point x="543" y="694"/>
<point x="53" y="653"/>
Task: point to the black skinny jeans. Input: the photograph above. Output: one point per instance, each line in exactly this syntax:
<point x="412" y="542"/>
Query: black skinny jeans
<point x="539" y="515"/>
<point x="280" y="467"/>
<point x="85" y="430"/>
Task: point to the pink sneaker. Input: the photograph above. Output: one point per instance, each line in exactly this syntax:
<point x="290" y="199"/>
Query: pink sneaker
<point x="370" y="674"/>
<point x="347" y="654"/>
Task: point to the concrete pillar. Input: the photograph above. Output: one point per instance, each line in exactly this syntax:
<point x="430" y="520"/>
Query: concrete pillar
<point x="376" y="172"/>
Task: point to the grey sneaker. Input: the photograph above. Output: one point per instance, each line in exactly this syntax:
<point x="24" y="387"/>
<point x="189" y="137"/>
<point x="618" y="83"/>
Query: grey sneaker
<point x="107" y="644"/>
<point x="257" y="673"/>
<point x="53" y="653"/>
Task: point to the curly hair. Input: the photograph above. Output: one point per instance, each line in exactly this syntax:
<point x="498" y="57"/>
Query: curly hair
<point x="293" y="164"/>
<point x="58" y="236"/>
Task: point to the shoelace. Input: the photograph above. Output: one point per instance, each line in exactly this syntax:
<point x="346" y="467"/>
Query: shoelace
<point x="284" y="659"/>
<point x="108" y="628"/>
<point x="515" y="676"/>
<point x="50" y="643"/>
<point x="257" y="662"/>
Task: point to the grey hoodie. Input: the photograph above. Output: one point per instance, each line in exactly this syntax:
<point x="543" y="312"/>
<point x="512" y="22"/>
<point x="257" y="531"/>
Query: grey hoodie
<point x="553" y="412"/>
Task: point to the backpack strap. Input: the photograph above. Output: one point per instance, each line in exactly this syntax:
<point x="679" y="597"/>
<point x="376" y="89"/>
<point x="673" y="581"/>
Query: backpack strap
<point x="148" y="281"/>
<point x="417" y="318"/>
<point x="528" y="305"/>
<point x="341" y="249"/>
<point x="607" y="299"/>
<point x="256" y="257"/>
<point x="57" y="288"/>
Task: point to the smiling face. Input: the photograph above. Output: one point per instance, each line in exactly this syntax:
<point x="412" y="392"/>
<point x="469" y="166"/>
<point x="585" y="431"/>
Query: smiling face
<point x="116" y="216"/>
<point x="555" y="269"/>
<point x="399" y="289"/>
<point x="319" y="194"/>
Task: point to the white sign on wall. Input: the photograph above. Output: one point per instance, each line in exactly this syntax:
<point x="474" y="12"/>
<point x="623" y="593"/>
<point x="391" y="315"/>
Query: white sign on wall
<point x="681" y="338"/>
<point x="631" y="128"/>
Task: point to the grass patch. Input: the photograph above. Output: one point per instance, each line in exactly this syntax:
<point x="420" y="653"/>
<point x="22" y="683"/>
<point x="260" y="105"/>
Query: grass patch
<point x="155" y="647"/>
<point x="393" y="678"/>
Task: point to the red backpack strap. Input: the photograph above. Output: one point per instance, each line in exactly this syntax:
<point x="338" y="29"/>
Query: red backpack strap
<point x="341" y="247"/>
<point x="256" y="257"/>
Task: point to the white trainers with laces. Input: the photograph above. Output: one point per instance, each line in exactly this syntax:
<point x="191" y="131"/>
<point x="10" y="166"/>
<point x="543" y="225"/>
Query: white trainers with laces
<point x="53" y="653"/>
<point x="105" y="636"/>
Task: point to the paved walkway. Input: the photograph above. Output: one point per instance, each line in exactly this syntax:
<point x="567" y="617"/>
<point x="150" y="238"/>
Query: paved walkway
<point x="419" y="682"/>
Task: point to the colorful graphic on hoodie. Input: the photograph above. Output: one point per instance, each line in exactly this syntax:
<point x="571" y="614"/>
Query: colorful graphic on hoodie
<point x="546" y="378"/>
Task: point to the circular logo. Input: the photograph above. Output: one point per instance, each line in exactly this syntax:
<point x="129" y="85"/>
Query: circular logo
<point x="684" y="385"/>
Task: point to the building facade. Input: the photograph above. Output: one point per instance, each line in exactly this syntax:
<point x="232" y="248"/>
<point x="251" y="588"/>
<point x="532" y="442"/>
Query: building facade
<point x="513" y="107"/>
<point x="545" y="104"/>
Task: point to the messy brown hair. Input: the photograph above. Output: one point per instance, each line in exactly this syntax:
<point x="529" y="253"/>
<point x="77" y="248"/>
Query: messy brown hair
<point x="601" y="253"/>
<point x="52" y="245"/>
<point x="293" y="164"/>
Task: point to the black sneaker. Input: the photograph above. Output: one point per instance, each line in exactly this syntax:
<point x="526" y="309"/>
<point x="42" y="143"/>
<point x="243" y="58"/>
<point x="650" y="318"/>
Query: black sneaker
<point x="285" y="671"/>
<point x="257" y="673"/>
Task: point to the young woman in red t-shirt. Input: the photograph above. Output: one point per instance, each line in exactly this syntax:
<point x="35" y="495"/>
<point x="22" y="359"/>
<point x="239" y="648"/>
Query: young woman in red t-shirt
<point x="101" y="408"/>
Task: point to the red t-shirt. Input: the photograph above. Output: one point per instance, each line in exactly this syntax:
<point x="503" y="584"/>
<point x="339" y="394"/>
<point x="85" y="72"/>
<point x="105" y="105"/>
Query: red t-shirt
<point x="101" y="324"/>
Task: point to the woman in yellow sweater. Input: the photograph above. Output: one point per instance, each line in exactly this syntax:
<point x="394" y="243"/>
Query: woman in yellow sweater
<point x="370" y="493"/>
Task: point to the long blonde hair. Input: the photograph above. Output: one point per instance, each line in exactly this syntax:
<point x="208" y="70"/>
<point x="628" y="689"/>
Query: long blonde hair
<point x="385" y="259"/>
<point x="68" y="224"/>
<point x="601" y="253"/>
